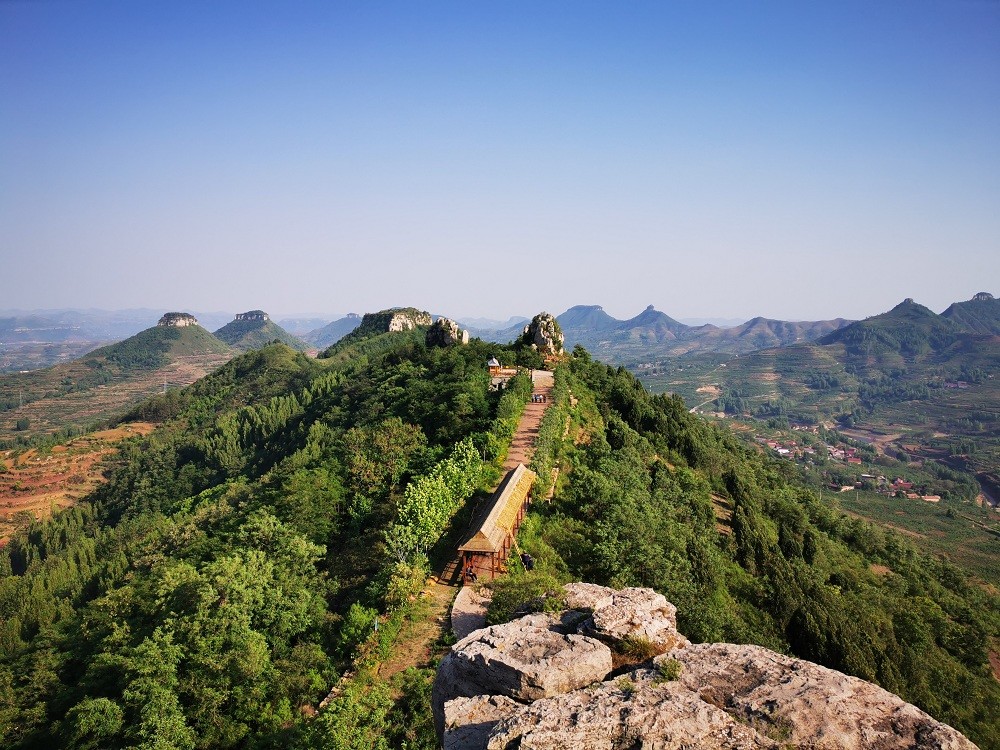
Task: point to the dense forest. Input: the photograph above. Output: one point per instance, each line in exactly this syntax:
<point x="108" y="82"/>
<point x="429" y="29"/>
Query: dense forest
<point x="232" y="568"/>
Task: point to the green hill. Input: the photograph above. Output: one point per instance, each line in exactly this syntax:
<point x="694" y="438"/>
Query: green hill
<point x="333" y="332"/>
<point x="234" y="567"/>
<point x="255" y="330"/>
<point x="155" y="346"/>
<point x="909" y="329"/>
<point x="589" y="318"/>
<point x="393" y="320"/>
<point x="981" y="314"/>
<point x="106" y="381"/>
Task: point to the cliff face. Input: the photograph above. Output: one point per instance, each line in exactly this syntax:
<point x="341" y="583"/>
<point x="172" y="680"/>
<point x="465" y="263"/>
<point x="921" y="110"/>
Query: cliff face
<point x="395" y="320"/>
<point x="544" y="334"/>
<point x="177" y="320"/>
<point x="445" y="332"/>
<point x="611" y="671"/>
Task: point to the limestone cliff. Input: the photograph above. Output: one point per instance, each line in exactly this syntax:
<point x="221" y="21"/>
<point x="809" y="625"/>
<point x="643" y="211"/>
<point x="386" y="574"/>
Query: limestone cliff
<point x="445" y="332"/>
<point x="544" y="334"/>
<point x="177" y="320"/>
<point x="611" y="671"/>
<point x="394" y="320"/>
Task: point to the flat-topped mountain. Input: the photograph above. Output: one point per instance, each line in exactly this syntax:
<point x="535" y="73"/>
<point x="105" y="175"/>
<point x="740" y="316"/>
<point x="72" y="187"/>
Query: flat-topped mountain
<point x="175" y="352"/>
<point x="981" y="314"/>
<point x="255" y="329"/>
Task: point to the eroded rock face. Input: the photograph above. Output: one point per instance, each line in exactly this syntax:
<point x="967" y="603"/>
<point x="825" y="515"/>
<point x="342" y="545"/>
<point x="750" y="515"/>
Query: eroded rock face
<point x="812" y="706"/>
<point x="545" y="681"/>
<point x="254" y="315"/>
<point x="395" y="320"/>
<point x="177" y="320"/>
<point x="624" y="713"/>
<point x="520" y="661"/>
<point x="544" y="334"/>
<point x="445" y="332"/>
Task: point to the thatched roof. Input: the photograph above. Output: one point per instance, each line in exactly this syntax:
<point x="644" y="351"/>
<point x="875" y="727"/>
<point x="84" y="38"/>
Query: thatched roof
<point x="498" y="521"/>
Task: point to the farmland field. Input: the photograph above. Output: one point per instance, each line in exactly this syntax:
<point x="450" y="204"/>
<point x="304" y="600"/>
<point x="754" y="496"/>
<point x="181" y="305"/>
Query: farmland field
<point x="968" y="537"/>
<point x="34" y="483"/>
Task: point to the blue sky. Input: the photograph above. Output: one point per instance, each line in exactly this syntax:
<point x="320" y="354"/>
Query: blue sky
<point x="790" y="159"/>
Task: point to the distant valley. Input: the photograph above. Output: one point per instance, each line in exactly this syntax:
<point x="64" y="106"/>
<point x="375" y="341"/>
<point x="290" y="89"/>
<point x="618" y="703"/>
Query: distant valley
<point x="913" y="383"/>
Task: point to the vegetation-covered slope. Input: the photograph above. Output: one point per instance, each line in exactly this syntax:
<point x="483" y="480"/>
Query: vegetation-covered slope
<point x="245" y="335"/>
<point x="981" y="314"/>
<point x="652" y="496"/>
<point x="909" y="329"/>
<point x="107" y="380"/>
<point x="234" y="564"/>
<point x="235" y="560"/>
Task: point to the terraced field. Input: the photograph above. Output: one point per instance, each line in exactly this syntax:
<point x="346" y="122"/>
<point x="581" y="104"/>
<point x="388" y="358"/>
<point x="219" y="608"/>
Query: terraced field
<point x="55" y="410"/>
<point x="33" y="483"/>
<point x="969" y="537"/>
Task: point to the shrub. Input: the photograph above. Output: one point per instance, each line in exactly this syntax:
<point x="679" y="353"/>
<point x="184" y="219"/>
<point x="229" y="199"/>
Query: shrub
<point x="522" y="593"/>
<point x="669" y="669"/>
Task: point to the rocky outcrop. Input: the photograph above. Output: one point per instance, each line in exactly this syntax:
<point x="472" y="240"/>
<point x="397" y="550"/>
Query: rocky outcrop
<point x="177" y="320"/>
<point x="445" y="332"/>
<point x="394" y="320"/>
<point x="254" y="315"/>
<point x="544" y="334"/>
<point x="611" y="671"/>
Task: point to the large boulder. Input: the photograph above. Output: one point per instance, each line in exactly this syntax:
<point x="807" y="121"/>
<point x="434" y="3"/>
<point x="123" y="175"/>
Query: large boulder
<point x="807" y="704"/>
<point x="628" y="712"/>
<point x="445" y="332"/>
<point x="589" y="677"/>
<point x="632" y="613"/>
<point x="544" y="334"/>
<point x="520" y="661"/>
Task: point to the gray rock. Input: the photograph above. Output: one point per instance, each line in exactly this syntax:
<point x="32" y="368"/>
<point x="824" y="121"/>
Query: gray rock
<point x="519" y="661"/>
<point x="808" y="705"/>
<point x="534" y="684"/>
<point x="544" y="334"/>
<point x="469" y="721"/>
<point x="445" y="332"/>
<point x="626" y="613"/>
<point x="177" y="320"/>
<point x="624" y="713"/>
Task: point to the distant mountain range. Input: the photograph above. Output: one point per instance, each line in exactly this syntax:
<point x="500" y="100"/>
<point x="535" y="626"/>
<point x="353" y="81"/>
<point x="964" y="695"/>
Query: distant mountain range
<point x="334" y="331"/>
<point x="907" y="377"/>
<point x="652" y="334"/>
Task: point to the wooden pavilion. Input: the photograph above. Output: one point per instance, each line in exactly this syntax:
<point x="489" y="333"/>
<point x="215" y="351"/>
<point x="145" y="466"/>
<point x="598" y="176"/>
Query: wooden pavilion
<point x="487" y="546"/>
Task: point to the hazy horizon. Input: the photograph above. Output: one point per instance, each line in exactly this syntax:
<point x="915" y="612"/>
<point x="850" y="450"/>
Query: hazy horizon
<point x="732" y="160"/>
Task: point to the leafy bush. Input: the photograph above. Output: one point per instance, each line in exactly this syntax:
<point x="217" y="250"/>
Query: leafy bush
<point x="521" y="593"/>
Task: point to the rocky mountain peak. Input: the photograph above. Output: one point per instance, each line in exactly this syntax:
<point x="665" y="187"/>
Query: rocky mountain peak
<point x="544" y="334"/>
<point x="254" y="315"/>
<point x="396" y="319"/>
<point x="445" y="332"/>
<point x="177" y="320"/>
<point x="612" y="671"/>
<point x="982" y="297"/>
